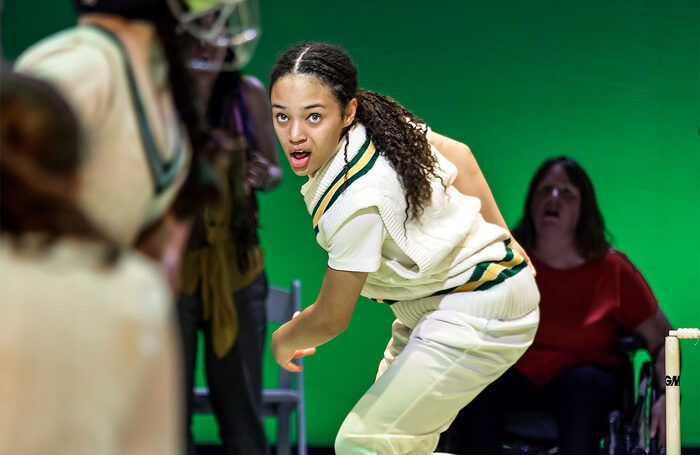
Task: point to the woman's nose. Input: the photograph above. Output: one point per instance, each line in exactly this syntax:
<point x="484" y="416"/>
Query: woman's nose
<point x="296" y="133"/>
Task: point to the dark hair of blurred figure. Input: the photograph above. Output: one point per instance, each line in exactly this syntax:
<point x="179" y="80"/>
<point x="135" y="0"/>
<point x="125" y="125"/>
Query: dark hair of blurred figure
<point x="41" y="147"/>
<point x="591" y="242"/>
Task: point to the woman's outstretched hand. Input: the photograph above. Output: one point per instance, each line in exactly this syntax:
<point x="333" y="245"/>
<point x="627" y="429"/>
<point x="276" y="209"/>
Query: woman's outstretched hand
<point x="321" y="321"/>
<point x="284" y="356"/>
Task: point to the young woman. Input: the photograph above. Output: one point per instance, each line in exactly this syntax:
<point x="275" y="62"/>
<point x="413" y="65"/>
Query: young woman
<point x="408" y="220"/>
<point x="591" y="295"/>
<point x="87" y="345"/>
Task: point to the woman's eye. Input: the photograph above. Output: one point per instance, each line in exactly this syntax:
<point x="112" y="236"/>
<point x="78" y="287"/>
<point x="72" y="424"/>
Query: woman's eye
<point x="315" y="118"/>
<point x="280" y="117"/>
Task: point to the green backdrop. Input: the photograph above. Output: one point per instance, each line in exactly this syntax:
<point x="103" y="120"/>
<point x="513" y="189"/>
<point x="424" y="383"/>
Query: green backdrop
<point x="613" y="84"/>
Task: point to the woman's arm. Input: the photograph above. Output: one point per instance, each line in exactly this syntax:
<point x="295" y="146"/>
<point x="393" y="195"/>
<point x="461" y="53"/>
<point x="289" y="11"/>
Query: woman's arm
<point x="471" y="181"/>
<point x="324" y="320"/>
<point x="264" y="172"/>
<point x="654" y="331"/>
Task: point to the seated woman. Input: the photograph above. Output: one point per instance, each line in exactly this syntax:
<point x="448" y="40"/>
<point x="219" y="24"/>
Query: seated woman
<point x="590" y="295"/>
<point x="86" y="344"/>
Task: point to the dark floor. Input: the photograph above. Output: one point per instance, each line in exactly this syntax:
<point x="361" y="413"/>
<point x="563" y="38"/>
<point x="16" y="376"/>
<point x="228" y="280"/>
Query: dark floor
<point x="212" y="450"/>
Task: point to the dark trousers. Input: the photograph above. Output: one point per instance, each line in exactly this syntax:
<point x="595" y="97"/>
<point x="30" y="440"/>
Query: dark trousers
<point x="579" y="398"/>
<point x="235" y="381"/>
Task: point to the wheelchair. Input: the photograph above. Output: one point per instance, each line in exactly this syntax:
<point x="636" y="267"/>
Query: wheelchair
<point x="627" y="427"/>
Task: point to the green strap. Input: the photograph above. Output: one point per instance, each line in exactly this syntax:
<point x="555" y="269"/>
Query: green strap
<point x="162" y="172"/>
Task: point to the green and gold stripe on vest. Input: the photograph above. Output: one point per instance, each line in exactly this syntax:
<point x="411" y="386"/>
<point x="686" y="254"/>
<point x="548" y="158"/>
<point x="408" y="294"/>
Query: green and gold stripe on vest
<point x="489" y="274"/>
<point x="359" y="166"/>
<point x="485" y="274"/>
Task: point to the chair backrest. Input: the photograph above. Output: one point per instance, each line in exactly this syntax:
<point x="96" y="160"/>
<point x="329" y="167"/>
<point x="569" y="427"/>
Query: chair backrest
<point x="281" y="304"/>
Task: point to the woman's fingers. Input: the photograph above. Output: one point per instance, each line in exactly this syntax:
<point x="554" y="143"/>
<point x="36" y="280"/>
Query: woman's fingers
<point x="293" y="367"/>
<point x="304" y="352"/>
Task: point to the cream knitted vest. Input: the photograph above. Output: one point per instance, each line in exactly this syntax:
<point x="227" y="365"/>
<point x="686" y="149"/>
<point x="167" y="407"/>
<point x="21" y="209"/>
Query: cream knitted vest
<point x="446" y="242"/>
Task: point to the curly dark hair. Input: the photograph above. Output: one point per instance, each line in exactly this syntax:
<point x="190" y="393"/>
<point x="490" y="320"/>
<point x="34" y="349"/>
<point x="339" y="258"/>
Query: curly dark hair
<point x="396" y="132"/>
<point x="591" y="240"/>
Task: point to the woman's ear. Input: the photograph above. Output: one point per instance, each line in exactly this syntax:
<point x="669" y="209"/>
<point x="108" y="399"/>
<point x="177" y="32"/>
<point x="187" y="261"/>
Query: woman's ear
<point x="350" y="111"/>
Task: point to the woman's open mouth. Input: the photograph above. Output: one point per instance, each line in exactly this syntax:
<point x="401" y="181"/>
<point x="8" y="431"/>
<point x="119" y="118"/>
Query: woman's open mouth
<point x="299" y="159"/>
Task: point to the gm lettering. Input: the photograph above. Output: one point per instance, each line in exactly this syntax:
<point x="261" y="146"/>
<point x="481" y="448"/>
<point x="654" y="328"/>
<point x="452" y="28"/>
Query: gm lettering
<point x="673" y="381"/>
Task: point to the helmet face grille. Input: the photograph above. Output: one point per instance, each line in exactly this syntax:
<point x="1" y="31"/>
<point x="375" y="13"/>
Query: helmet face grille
<point x="233" y="24"/>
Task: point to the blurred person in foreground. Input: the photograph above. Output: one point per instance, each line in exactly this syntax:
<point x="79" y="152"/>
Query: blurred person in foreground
<point x="123" y="70"/>
<point x="88" y="358"/>
<point x="592" y="294"/>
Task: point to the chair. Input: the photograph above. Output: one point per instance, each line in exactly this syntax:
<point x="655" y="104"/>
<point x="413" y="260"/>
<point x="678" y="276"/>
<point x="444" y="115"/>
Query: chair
<point x="280" y="305"/>
<point x="628" y="426"/>
<point x="280" y="402"/>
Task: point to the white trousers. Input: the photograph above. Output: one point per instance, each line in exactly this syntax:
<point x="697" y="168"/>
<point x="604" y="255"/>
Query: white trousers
<point x="434" y="368"/>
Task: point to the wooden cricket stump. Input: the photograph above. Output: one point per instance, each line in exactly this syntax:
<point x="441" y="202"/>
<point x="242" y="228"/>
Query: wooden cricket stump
<point x="673" y="387"/>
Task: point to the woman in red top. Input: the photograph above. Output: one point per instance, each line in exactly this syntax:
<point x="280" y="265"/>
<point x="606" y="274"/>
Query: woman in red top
<point x="590" y="295"/>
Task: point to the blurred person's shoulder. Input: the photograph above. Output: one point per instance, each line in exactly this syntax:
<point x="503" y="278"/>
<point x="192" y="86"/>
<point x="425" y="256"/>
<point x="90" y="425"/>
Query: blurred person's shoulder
<point x="65" y="50"/>
<point x="82" y="62"/>
<point x="254" y="86"/>
<point x="253" y="83"/>
<point x="619" y="260"/>
<point x="79" y="274"/>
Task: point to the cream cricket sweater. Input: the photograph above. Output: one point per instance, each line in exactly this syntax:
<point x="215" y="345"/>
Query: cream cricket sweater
<point x="450" y="244"/>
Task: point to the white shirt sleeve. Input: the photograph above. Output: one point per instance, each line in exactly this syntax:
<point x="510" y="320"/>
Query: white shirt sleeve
<point x="357" y="245"/>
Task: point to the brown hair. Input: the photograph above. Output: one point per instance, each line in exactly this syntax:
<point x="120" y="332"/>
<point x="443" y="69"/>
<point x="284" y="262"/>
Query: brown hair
<point x="41" y="151"/>
<point x="591" y="242"/>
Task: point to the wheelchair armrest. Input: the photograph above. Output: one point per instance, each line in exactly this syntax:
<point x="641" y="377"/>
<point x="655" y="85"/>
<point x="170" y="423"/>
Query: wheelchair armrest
<point x="631" y="342"/>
